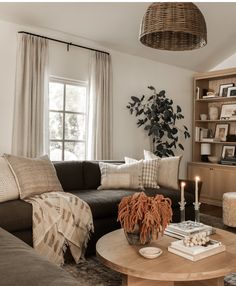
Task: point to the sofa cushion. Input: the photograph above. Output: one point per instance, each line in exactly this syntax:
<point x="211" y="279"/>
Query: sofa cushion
<point x="92" y="173"/>
<point x="125" y="176"/>
<point x="70" y="175"/>
<point x="16" y="215"/>
<point x="8" y="187"/>
<point x="21" y="265"/>
<point x="105" y="203"/>
<point x="33" y="176"/>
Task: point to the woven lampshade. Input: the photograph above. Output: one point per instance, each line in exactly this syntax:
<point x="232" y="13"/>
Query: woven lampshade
<point x="174" y="26"/>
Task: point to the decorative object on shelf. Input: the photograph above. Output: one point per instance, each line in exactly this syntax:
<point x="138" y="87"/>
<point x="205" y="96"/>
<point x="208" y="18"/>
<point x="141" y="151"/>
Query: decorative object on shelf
<point x="205" y="151"/>
<point x="214" y="159"/>
<point x="228" y="152"/>
<point x="228" y="112"/>
<point x="157" y="115"/>
<point x="173" y="26"/>
<point x="213" y="112"/>
<point x="231" y="91"/>
<point x="231" y="138"/>
<point x="197" y="92"/>
<point x="182" y="203"/>
<point x="203" y="116"/>
<point x="197" y="203"/>
<point x="144" y="218"/>
<point x="224" y="88"/>
<point x="221" y="131"/>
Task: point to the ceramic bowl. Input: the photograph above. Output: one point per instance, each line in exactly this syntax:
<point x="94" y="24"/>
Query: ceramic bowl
<point x="150" y="252"/>
<point x="213" y="159"/>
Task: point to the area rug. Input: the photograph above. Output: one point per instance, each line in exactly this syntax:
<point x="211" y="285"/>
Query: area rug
<point x="92" y="272"/>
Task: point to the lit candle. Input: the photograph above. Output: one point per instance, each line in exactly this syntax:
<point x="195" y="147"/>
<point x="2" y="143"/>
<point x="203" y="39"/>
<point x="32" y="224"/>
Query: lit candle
<point x="182" y="192"/>
<point x="197" y="179"/>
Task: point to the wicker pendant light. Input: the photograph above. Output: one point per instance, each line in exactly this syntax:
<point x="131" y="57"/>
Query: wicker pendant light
<point x="173" y="26"/>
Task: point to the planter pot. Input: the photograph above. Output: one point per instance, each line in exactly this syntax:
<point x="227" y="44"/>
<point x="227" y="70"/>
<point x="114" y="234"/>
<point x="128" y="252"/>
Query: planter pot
<point x="134" y="238"/>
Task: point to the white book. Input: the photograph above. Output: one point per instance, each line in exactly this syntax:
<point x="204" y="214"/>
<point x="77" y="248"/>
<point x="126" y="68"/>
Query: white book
<point x="189" y="227"/>
<point x="197" y="249"/>
<point x="197" y="133"/>
<point x="196" y="253"/>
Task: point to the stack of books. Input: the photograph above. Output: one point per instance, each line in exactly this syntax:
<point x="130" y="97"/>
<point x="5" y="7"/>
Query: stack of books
<point x="195" y="253"/>
<point x="187" y="228"/>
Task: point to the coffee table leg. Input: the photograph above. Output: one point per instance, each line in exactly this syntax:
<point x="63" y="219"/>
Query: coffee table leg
<point x="133" y="281"/>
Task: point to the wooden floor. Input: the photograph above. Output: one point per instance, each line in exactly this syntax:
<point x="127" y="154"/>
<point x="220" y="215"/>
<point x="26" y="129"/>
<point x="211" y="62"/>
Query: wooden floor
<point x="211" y="210"/>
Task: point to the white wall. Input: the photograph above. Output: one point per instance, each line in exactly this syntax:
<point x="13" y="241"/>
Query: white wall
<point x="230" y="62"/>
<point x="131" y="76"/>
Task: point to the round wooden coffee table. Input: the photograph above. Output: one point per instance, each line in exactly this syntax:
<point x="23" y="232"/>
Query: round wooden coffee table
<point x="168" y="269"/>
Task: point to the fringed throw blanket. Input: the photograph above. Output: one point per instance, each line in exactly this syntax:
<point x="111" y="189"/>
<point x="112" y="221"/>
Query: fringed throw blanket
<point x="60" y="220"/>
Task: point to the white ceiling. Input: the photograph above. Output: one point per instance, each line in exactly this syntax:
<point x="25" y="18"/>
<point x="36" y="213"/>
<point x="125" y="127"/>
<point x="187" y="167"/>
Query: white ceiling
<point x="116" y="26"/>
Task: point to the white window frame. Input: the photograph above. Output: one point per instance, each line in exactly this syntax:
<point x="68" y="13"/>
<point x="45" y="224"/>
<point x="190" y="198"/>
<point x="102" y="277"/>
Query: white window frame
<point x="65" y="82"/>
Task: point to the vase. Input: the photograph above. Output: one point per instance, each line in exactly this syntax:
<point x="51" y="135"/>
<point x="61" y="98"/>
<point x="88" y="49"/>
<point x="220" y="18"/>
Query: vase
<point x="213" y="113"/>
<point x="133" y="238"/>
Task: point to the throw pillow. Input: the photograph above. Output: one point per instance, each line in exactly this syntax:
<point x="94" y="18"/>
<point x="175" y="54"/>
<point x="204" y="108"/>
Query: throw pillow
<point x="125" y="176"/>
<point x="8" y="186"/>
<point x="168" y="175"/>
<point x="149" y="172"/>
<point x="34" y="176"/>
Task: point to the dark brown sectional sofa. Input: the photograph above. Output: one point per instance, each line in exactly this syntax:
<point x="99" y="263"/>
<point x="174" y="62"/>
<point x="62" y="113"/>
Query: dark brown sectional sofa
<point x="82" y="178"/>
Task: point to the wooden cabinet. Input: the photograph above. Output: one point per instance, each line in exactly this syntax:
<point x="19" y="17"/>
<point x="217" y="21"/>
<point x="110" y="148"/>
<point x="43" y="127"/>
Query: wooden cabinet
<point x="217" y="178"/>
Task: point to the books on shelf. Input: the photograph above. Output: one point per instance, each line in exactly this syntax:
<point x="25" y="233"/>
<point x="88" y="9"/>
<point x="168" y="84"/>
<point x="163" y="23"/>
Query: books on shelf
<point x="195" y="253"/>
<point x="186" y="228"/>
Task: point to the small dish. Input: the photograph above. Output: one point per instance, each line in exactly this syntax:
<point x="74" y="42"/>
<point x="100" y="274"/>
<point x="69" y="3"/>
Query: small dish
<point x="150" y="252"/>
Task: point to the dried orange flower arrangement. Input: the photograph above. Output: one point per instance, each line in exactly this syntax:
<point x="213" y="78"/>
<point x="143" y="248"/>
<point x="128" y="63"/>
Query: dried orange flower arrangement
<point x="150" y="215"/>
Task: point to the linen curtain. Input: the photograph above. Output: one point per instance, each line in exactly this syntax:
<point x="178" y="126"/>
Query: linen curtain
<point x="30" y="93"/>
<point x="100" y="108"/>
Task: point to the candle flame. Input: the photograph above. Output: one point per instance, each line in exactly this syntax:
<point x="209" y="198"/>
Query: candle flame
<point x="183" y="184"/>
<point x="197" y="178"/>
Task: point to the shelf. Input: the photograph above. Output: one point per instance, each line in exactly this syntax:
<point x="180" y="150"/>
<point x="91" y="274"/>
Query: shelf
<point x="218" y="142"/>
<point x="217" y="99"/>
<point x="212" y="121"/>
<point x="208" y="164"/>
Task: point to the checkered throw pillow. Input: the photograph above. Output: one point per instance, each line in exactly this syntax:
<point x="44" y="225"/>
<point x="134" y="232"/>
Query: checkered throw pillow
<point x="149" y="172"/>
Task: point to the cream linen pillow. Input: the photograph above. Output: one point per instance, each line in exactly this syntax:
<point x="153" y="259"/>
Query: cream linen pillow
<point x="168" y="174"/>
<point x="34" y="176"/>
<point x="125" y="176"/>
<point x="149" y="172"/>
<point x="8" y="186"/>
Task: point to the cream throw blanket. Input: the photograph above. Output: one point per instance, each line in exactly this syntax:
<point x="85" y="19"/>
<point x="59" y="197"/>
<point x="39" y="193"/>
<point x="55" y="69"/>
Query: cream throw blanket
<point x="59" y="220"/>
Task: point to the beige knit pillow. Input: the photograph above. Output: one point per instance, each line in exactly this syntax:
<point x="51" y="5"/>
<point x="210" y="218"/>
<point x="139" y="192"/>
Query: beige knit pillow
<point x="8" y="187"/>
<point x="168" y="174"/>
<point x="125" y="176"/>
<point x="34" y="176"/>
<point x="149" y="172"/>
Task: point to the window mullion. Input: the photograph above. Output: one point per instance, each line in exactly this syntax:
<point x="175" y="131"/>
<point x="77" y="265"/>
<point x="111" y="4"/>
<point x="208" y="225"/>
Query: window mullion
<point x="63" y="129"/>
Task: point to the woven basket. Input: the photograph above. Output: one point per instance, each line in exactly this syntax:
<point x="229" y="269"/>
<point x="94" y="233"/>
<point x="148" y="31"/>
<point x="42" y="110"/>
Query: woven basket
<point x="173" y="26"/>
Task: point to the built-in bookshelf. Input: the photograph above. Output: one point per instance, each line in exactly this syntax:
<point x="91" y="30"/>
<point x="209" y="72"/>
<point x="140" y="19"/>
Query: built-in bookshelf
<point x="214" y="117"/>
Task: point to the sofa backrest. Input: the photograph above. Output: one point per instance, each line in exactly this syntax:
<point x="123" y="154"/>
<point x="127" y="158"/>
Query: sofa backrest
<point x="80" y="175"/>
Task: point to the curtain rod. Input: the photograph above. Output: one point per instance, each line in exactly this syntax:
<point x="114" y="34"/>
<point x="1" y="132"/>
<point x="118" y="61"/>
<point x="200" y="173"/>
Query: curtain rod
<point x="63" y="42"/>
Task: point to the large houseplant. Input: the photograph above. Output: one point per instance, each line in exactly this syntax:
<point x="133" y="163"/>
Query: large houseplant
<point x="158" y="116"/>
<point x="143" y="216"/>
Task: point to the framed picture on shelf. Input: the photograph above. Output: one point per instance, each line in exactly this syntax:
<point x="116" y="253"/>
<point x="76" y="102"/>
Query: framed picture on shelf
<point x="224" y="89"/>
<point x="231" y="91"/>
<point x="228" y="151"/>
<point x="228" y="111"/>
<point x="221" y="131"/>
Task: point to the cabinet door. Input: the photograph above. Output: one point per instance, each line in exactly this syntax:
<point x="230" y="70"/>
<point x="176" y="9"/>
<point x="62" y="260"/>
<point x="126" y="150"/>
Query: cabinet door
<point x="223" y="181"/>
<point x="206" y="176"/>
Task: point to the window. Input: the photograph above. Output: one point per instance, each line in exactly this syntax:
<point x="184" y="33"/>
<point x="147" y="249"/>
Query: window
<point x="67" y="119"/>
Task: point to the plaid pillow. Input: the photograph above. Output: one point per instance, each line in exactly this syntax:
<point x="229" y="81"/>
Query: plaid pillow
<point x="149" y="172"/>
